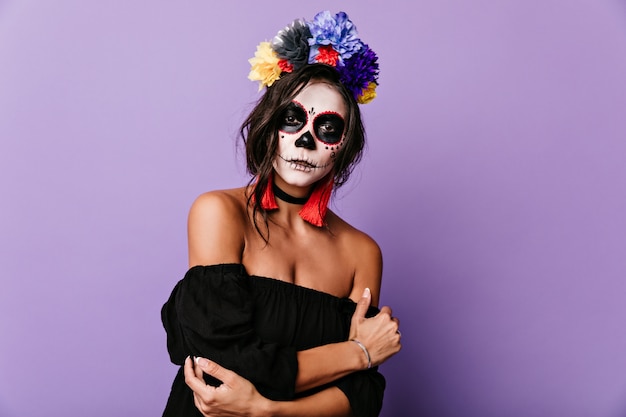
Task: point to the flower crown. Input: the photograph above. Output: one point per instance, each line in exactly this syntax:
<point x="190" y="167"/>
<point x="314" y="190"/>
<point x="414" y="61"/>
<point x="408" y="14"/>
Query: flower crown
<point x="327" y="39"/>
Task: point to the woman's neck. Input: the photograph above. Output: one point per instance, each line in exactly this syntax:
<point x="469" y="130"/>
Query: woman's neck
<point x="288" y="198"/>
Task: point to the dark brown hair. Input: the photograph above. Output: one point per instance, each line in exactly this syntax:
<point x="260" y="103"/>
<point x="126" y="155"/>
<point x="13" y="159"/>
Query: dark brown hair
<point x="260" y="130"/>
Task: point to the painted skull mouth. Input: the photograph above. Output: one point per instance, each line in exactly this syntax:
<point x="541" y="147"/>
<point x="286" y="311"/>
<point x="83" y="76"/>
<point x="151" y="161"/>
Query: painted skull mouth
<point x="303" y="164"/>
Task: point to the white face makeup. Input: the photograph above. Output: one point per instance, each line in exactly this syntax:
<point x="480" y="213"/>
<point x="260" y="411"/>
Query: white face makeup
<point x="311" y="133"/>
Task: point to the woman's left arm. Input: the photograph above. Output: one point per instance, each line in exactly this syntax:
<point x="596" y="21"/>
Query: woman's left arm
<point x="324" y="364"/>
<point x="367" y="259"/>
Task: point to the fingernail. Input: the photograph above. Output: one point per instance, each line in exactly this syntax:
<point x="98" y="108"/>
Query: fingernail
<point x="366" y="292"/>
<point x="202" y="362"/>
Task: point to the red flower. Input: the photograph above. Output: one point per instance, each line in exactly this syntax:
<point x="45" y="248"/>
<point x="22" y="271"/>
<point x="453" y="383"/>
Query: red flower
<point x="327" y="55"/>
<point x="285" y="66"/>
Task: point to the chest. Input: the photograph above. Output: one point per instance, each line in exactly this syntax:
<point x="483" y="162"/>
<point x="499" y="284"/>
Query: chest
<point x="314" y="260"/>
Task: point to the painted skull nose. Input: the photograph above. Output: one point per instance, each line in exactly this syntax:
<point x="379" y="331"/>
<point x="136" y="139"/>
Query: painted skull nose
<point x="306" y="141"/>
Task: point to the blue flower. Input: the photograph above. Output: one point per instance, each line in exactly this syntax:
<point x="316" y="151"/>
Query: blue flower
<point x="337" y="31"/>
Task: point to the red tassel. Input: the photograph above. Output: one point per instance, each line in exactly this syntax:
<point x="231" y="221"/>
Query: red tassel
<point x="268" y="201"/>
<point x="314" y="210"/>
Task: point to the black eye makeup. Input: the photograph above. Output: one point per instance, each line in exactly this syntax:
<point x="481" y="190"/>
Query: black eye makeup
<point x="293" y="119"/>
<point x="329" y="127"/>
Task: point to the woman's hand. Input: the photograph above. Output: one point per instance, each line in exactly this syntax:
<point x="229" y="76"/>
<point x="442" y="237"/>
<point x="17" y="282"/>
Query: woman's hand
<point x="379" y="334"/>
<point x="236" y="397"/>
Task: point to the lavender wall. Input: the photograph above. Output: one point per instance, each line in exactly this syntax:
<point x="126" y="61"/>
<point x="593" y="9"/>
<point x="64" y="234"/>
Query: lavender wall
<point x="496" y="159"/>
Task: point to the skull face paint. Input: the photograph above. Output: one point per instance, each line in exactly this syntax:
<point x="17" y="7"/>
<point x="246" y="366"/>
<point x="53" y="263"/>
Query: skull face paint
<point x="328" y="126"/>
<point x="311" y="132"/>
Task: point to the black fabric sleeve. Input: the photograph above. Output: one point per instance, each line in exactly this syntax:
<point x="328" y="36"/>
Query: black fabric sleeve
<point x="365" y="391"/>
<point x="209" y="314"/>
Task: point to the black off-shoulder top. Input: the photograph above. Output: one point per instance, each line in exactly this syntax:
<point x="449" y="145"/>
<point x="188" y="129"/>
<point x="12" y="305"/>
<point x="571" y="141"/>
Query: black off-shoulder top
<point x="254" y="326"/>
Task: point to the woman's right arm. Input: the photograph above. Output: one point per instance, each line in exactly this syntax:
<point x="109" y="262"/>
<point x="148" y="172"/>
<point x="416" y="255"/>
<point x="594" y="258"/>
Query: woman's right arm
<point x="215" y="230"/>
<point x="238" y="397"/>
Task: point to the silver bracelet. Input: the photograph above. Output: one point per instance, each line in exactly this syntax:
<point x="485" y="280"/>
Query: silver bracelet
<point x="364" y="349"/>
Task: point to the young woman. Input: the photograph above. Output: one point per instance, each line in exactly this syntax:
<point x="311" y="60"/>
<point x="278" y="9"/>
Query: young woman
<point x="275" y="276"/>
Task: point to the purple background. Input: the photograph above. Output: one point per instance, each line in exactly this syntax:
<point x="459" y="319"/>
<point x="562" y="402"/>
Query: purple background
<point x="494" y="182"/>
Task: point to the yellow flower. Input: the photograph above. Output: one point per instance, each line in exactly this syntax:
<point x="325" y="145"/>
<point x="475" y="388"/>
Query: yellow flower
<point x="265" y="67"/>
<point x="368" y="94"/>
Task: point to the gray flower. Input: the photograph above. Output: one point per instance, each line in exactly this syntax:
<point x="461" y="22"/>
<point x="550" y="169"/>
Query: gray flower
<point x="292" y="43"/>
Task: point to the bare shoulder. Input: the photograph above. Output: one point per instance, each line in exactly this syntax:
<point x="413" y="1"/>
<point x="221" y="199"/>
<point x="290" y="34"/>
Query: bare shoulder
<point x="219" y="205"/>
<point x="364" y="253"/>
<point x="357" y="239"/>
<point x="216" y="226"/>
